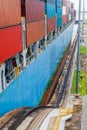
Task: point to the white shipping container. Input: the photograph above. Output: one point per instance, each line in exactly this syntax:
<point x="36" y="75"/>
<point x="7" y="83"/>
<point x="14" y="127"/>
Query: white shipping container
<point x="64" y="10"/>
<point x="68" y="3"/>
<point x="69" y="17"/>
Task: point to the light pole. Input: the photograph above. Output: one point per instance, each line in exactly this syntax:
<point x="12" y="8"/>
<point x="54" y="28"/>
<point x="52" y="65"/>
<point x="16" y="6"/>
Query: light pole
<point x="83" y="17"/>
<point x="78" y="51"/>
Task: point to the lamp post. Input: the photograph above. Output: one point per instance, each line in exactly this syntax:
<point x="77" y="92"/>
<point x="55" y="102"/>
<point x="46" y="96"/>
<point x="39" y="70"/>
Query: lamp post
<point x="83" y="17"/>
<point x="78" y="51"/>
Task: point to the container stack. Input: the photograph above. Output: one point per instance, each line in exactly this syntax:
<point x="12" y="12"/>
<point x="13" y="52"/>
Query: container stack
<point x="75" y="13"/>
<point x="34" y="14"/>
<point x="64" y="12"/>
<point x="69" y="10"/>
<point x="72" y="10"/>
<point x="59" y="12"/>
<point x="10" y="29"/>
<point x="50" y="10"/>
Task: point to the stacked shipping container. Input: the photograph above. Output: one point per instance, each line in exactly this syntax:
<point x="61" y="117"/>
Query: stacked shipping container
<point x="74" y="13"/>
<point x="50" y="10"/>
<point x="10" y="29"/>
<point x="34" y="13"/>
<point x="59" y="12"/>
<point x="69" y="10"/>
<point x="65" y="12"/>
<point x="72" y="10"/>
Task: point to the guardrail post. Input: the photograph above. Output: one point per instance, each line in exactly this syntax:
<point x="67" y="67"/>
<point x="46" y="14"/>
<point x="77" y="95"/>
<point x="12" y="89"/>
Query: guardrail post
<point x="2" y="77"/>
<point x="24" y="57"/>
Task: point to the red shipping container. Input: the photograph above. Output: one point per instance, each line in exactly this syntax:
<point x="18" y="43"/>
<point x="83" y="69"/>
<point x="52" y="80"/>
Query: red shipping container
<point x="34" y="11"/>
<point x="10" y="42"/>
<point x="67" y="11"/>
<point x="64" y="19"/>
<point x="74" y="13"/>
<point x="35" y="31"/>
<point x="64" y="2"/>
<point x="23" y="11"/>
<point x="10" y="12"/>
<point x="51" y="25"/>
<point x="72" y="5"/>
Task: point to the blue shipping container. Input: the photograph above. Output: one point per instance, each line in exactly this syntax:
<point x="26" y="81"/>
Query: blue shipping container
<point x="59" y="3"/>
<point x="50" y="10"/>
<point x="59" y="12"/>
<point x="49" y="1"/>
<point x="59" y="21"/>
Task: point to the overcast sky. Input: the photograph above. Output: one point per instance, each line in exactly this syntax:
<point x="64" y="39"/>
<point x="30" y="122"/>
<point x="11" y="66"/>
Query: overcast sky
<point x="76" y="6"/>
<point x="76" y="3"/>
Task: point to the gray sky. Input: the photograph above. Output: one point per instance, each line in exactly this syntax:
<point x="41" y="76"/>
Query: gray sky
<point x="76" y="3"/>
<point x="76" y="6"/>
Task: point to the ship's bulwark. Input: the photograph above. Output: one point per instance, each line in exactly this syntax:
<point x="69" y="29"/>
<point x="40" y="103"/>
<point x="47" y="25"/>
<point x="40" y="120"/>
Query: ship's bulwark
<point x="28" y="88"/>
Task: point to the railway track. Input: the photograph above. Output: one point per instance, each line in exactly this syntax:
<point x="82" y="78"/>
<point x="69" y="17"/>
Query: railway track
<point x="35" y="125"/>
<point x="25" y="119"/>
<point x="32" y="118"/>
<point x="62" y="88"/>
<point x="14" y="118"/>
<point x="56" y="84"/>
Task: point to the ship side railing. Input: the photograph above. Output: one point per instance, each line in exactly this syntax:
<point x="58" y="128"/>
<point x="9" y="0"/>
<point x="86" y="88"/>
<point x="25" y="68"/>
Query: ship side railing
<point x="10" y="76"/>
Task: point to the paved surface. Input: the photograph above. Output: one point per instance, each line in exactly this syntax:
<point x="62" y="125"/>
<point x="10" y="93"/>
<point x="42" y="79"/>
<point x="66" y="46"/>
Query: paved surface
<point x="51" y="125"/>
<point x="75" y="122"/>
<point x="46" y="123"/>
<point x="84" y="114"/>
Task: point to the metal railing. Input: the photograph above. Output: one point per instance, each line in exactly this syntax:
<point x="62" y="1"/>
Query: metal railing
<point x="10" y="76"/>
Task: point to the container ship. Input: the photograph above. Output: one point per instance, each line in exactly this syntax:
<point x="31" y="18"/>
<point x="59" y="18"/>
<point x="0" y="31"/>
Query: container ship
<point x="34" y="35"/>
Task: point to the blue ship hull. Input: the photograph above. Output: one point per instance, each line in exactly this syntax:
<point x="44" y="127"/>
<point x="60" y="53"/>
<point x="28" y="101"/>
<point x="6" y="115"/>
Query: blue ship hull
<point x="29" y="87"/>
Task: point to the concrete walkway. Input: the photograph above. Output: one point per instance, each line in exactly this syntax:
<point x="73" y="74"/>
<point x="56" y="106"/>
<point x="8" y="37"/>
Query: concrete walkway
<point x="46" y="122"/>
<point x="84" y="114"/>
